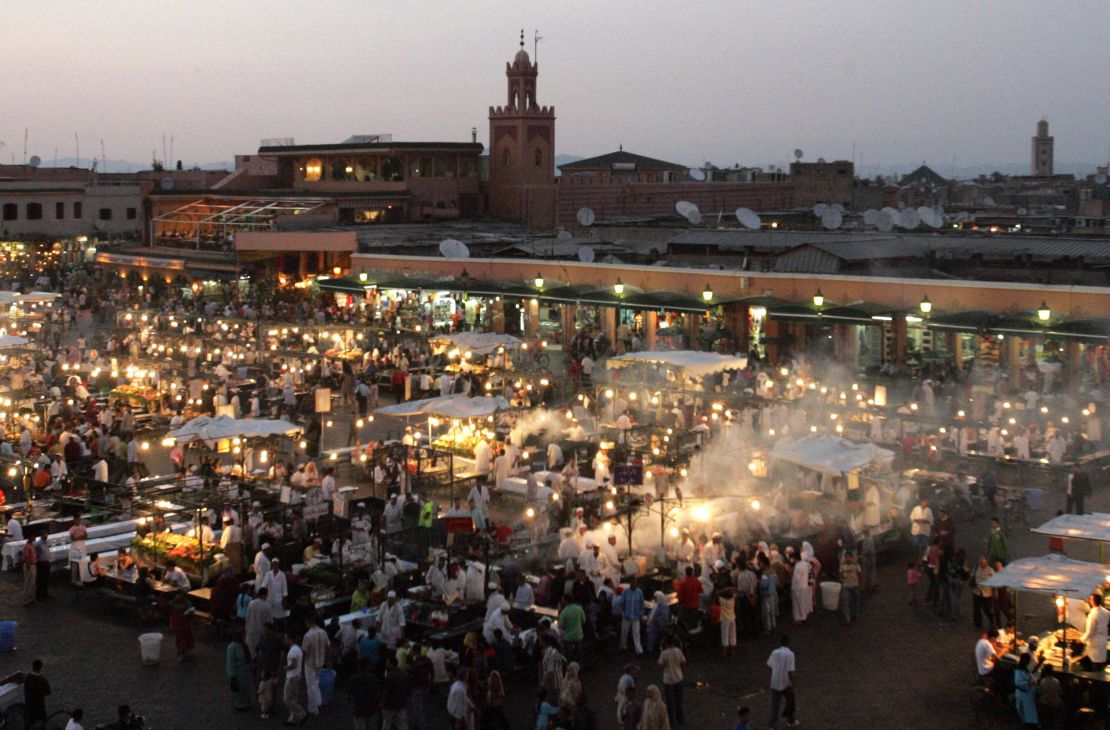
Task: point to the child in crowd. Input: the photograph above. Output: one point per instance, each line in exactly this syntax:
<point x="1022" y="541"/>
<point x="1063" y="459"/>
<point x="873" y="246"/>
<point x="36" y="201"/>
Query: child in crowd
<point x="1055" y="542"/>
<point x="726" y="599"/>
<point x="913" y="577"/>
<point x="267" y="685"/>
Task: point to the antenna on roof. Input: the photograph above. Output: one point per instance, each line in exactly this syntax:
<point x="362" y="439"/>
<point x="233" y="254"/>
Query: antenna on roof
<point x="536" y="47"/>
<point x="748" y="219"/>
<point x="885" y="220"/>
<point x="453" y="249"/>
<point x="909" y="218"/>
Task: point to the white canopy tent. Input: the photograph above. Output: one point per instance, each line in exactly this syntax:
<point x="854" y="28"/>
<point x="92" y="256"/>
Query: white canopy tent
<point x="1094" y="527"/>
<point x="208" y="428"/>
<point x="1052" y="574"/>
<point x="10" y="341"/>
<point x="829" y="454"/>
<point x="448" y="406"/>
<point x="479" y="343"/>
<point x="35" y="297"/>
<point x="692" y="363"/>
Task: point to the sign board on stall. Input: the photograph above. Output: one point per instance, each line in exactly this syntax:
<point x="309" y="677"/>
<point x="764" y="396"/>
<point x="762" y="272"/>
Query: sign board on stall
<point x="458" y="524"/>
<point x="323" y="400"/>
<point x="315" y="506"/>
<point x="625" y="474"/>
<point x="286" y="495"/>
<point x="340" y="506"/>
<point x="228" y="410"/>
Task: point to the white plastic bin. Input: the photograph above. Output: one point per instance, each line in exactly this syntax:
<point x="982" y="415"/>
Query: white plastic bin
<point x="150" y="647"/>
<point x="830" y="595"/>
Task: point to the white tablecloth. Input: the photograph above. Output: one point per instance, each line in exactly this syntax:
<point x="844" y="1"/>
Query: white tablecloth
<point x="370" y="615"/>
<point x="60" y="551"/>
<point x="11" y="550"/>
<point x="519" y="485"/>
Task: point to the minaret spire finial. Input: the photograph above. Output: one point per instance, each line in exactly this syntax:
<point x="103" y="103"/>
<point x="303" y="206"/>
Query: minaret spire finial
<point x="522" y="37"/>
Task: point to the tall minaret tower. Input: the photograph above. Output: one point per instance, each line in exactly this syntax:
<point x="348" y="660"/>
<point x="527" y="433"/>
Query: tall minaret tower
<point x="522" y="149"/>
<point x="1042" y="151"/>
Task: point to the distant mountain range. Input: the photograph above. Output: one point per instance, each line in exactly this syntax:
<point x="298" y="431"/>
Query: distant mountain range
<point x="127" y="165"/>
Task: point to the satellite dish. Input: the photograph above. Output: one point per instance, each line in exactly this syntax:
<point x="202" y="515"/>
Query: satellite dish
<point x="831" y="219"/>
<point x="797" y="154"/>
<point x="564" y="233"/>
<point x="885" y="221"/>
<point x="586" y="254"/>
<point x="870" y="216"/>
<point x="929" y="217"/>
<point x="683" y="206"/>
<point x="697" y="173"/>
<point x="748" y="219"/>
<point x="586" y="217"/>
<point x="453" y="249"/>
<point x="909" y="219"/>
<point x="35" y="161"/>
<point x="693" y="214"/>
<point x="838" y="208"/>
<point x="166" y="183"/>
<point x="988" y="200"/>
<point x="1100" y="179"/>
<point x="1022" y="211"/>
<point x="819" y="209"/>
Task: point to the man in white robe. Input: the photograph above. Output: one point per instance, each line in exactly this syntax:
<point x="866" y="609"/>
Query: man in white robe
<point x="391" y="620"/>
<point x="278" y="588"/>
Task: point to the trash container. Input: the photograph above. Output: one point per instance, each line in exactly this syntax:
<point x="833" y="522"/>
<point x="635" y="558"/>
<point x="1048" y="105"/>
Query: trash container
<point x="1033" y="499"/>
<point x="150" y="647"/>
<point x="830" y="595"/>
<point x="7" y="635"/>
<point x="327" y="686"/>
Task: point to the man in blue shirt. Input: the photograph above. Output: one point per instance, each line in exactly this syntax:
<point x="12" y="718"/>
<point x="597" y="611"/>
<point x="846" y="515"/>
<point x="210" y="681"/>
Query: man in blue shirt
<point x="632" y="612"/>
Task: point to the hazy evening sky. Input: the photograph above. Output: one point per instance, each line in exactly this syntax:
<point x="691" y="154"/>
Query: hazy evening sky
<point x="727" y="81"/>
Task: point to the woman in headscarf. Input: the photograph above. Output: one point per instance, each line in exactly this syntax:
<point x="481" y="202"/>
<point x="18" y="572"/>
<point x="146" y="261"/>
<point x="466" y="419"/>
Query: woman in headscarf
<point x="654" y="716"/>
<point x="658" y="621"/>
<point x="801" y="598"/>
<point x="814" y="572"/>
<point x="571" y="687"/>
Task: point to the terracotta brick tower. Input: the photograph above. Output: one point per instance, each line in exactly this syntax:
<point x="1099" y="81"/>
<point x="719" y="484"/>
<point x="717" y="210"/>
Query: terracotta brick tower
<point x="522" y="150"/>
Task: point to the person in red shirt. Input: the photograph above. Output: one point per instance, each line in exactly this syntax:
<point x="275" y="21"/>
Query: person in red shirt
<point x="689" y="591"/>
<point x="30" y="561"/>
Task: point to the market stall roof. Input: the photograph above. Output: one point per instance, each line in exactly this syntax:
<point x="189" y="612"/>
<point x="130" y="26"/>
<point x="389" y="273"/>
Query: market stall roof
<point x="672" y="301"/>
<point x="1050" y="574"/>
<point x="208" y="428"/>
<point x="1094" y="527"/>
<point x="9" y="341"/>
<point x="691" y="362"/>
<point x="480" y="343"/>
<point x="829" y="454"/>
<point x="447" y="406"/>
